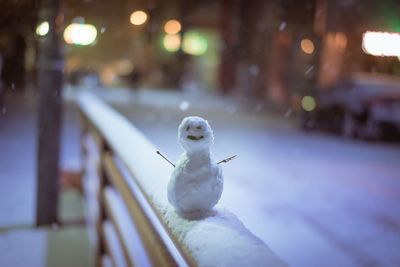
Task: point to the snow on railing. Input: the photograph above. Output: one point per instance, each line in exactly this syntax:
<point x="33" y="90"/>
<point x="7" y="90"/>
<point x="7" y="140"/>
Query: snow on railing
<point x="134" y="181"/>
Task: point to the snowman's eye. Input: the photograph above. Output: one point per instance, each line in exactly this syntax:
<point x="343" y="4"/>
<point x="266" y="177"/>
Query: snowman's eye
<point x="188" y="128"/>
<point x="198" y="127"/>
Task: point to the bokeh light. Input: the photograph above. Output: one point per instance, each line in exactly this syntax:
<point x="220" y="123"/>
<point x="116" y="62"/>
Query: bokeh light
<point x="80" y="34"/>
<point x="172" y="42"/>
<point x="138" y="17"/>
<point x="194" y="43"/>
<point x="308" y="103"/>
<point x="43" y="28"/>
<point x="122" y="67"/>
<point x="341" y="40"/>
<point x="172" y="26"/>
<point x="381" y="43"/>
<point x="307" y="46"/>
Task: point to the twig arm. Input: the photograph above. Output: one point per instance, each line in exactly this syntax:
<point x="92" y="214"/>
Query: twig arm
<point x="227" y="159"/>
<point x="159" y="153"/>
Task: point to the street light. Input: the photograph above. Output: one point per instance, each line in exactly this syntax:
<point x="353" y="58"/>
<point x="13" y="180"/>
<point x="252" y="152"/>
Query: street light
<point x="307" y="46"/>
<point x="381" y="43"/>
<point x="194" y="43"/>
<point x="308" y="103"/>
<point x="138" y="17"/>
<point x="172" y="42"/>
<point x="172" y="26"/>
<point x="43" y="28"/>
<point x="80" y="34"/>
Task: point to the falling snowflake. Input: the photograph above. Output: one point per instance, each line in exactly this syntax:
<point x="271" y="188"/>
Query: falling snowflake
<point x="254" y="70"/>
<point x="282" y="26"/>
<point x="184" y="105"/>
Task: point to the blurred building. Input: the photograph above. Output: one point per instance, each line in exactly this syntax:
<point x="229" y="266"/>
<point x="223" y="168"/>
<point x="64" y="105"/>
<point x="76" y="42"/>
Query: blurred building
<point x="275" y="51"/>
<point x="282" y="50"/>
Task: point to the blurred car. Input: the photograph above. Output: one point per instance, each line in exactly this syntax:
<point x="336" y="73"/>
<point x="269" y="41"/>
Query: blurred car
<point x="364" y="106"/>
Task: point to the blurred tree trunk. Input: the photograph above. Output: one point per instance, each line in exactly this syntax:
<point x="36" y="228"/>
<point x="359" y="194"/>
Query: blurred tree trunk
<point x="229" y="27"/>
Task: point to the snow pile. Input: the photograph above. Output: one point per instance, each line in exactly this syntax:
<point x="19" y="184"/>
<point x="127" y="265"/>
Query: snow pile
<point x="221" y="240"/>
<point x="217" y="240"/>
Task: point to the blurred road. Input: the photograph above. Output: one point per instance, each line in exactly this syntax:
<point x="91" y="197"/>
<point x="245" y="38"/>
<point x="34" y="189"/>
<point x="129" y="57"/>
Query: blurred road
<point x="315" y="199"/>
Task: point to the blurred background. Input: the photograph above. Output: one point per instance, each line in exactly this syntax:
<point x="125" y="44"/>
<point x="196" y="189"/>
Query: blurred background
<point x="302" y="56"/>
<point x="305" y="92"/>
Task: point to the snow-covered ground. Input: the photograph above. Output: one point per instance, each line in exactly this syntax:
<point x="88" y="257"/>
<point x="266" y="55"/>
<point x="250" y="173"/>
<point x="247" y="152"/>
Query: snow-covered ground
<point x="21" y="243"/>
<point x="17" y="162"/>
<point x="18" y="170"/>
<point x="315" y="199"/>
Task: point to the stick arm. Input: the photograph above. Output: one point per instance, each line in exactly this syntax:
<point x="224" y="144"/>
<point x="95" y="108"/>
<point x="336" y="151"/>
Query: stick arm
<point x="159" y="153"/>
<point x="227" y="159"/>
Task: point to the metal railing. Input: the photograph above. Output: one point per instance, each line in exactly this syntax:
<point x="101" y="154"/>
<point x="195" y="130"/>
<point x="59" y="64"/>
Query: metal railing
<point x="129" y="230"/>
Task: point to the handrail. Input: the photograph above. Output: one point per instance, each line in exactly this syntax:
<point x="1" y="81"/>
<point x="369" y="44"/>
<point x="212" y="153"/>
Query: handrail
<point x="129" y="235"/>
<point x="130" y="172"/>
<point x="152" y="234"/>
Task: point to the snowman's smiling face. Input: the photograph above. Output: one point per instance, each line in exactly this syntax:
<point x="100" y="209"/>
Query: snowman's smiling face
<point x="195" y="134"/>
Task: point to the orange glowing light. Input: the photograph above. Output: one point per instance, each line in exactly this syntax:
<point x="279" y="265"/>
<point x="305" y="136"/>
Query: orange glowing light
<point x="307" y="46"/>
<point x="172" y="26"/>
<point x="138" y="17"/>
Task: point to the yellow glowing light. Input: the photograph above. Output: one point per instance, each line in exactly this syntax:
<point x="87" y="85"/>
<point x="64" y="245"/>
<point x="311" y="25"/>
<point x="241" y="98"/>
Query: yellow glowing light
<point x="307" y="46"/>
<point x="43" y="28"/>
<point x="194" y="43"/>
<point x="80" y="34"/>
<point x="308" y="103"/>
<point x="138" y="17"/>
<point x="172" y="27"/>
<point x="381" y="43"/>
<point x="172" y="42"/>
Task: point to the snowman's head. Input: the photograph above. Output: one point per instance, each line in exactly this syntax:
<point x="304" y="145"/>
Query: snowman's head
<point x="195" y="134"/>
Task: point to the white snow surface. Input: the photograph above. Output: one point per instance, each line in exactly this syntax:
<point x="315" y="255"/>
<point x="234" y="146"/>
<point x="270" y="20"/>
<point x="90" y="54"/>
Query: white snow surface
<point x="218" y="239"/>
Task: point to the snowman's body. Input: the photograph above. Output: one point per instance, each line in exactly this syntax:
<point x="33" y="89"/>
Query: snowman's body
<point x="196" y="183"/>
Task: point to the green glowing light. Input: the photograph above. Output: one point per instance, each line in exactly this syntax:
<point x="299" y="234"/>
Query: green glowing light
<point x="194" y="43"/>
<point x="172" y="42"/>
<point x="308" y="103"/>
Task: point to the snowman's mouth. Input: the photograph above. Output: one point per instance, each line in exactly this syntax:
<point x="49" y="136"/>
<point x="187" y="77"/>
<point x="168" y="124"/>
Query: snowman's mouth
<point x="195" y="138"/>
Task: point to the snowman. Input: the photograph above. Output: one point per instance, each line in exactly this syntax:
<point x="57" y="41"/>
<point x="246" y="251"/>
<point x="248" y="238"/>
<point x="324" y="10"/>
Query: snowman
<point x="196" y="183"/>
